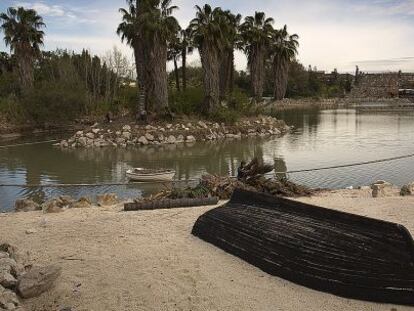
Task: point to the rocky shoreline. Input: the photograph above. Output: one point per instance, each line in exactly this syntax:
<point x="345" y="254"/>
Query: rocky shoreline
<point x="122" y="136"/>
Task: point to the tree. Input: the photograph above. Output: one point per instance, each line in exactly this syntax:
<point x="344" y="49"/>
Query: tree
<point x="283" y="49"/>
<point x="173" y="54"/>
<point x="232" y="34"/>
<point x="158" y="27"/>
<point x="129" y="30"/>
<point x="23" y="34"/>
<point x="256" y="32"/>
<point x="207" y="33"/>
<point x="186" y="48"/>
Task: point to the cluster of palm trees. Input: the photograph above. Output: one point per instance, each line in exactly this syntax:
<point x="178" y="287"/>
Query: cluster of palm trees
<point x="155" y="36"/>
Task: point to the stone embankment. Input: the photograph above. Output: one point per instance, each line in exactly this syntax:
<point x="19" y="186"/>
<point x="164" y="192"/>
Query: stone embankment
<point x="136" y="135"/>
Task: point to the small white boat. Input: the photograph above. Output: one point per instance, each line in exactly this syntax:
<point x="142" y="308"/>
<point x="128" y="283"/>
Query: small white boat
<point x="143" y="174"/>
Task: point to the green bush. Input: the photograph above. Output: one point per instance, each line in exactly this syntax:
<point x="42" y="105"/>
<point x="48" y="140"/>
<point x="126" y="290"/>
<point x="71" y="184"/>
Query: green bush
<point x="187" y="102"/>
<point x="226" y="115"/>
<point x="57" y="101"/>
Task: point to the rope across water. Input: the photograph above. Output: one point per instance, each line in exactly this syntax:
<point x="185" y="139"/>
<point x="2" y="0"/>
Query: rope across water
<point x="197" y="179"/>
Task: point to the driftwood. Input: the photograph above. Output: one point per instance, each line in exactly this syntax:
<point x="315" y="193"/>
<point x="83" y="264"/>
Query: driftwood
<point x="344" y="254"/>
<point x="169" y="203"/>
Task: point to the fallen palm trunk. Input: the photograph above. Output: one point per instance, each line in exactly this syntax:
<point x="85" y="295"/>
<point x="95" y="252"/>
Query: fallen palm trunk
<point x="170" y="203"/>
<point x="336" y="252"/>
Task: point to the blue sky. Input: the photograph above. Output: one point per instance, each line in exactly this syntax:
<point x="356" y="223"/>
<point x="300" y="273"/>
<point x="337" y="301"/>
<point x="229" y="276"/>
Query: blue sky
<point x="375" y="34"/>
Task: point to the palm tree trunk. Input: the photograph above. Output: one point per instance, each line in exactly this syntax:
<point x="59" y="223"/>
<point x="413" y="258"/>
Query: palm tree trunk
<point x="184" y="68"/>
<point x="25" y="69"/>
<point x="280" y="72"/>
<point x="158" y="75"/>
<point x="231" y="78"/>
<point x="141" y="84"/>
<point x="177" y="78"/>
<point x="210" y="64"/>
<point x="257" y="73"/>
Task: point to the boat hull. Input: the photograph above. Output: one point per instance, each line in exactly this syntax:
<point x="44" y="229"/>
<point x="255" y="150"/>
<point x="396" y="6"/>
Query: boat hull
<point x="156" y="177"/>
<point x="340" y="253"/>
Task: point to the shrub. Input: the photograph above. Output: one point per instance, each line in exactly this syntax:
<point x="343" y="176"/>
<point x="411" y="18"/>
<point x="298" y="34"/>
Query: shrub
<point x="57" y="101"/>
<point x="187" y="102"/>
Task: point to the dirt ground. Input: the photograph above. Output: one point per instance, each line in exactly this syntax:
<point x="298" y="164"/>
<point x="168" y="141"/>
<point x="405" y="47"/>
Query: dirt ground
<point x="114" y="260"/>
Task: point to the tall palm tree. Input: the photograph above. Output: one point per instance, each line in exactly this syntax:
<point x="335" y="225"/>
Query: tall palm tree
<point x="256" y="32"/>
<point x="173" y="54"/>
<point x="207" y="33"/>
<point x="227" y="54"/>
<point x="23" y="34"/>
<point x="158" y="27"/>
<point x="186" y="48"/>
<point x="130" y="32"/>
<point x="284" y="49"/>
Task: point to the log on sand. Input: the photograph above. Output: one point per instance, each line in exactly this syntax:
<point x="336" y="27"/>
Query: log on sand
<point x="340" y="253"/>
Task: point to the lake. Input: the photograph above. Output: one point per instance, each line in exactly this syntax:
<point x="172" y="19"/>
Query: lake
<point x="321" y="138"/>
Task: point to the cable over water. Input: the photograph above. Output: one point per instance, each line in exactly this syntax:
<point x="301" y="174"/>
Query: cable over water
<point x="197" y="179"/>
<point x="30" y="143"/>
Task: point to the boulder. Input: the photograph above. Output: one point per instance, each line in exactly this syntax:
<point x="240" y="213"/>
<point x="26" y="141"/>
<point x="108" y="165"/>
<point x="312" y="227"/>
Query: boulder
<point x="169" y="126"/>
<point x="382" y="188"/>
<point x="127" y="135"/>
<point x="190" y="139"/>
<point x="107" y="199"/>
<point x="7" y="280"/>
<point x="26" y="205"/>
<point x="180" y="139"/>
<point x="202" y="124"/>
<point x="53" y="206"/>
<point x="90" y="135"/>
<point x="120" y="140"/>
<point x="79" y="133"/>
<point x="82" y="203"/>
<point x="407" y="189"/>
<point x="96" y="131"/>
<point x="171" y="139"/>
<point x="83" y="141"/>
<point x="64" y="144"/>
<point x="142" y="140"/>
<point x="9" y="265"/>
<point x="126" y="128"/>
<point x="8" y="299"/>
<point x="149" y="137"/>
<point x="37" y="281"/>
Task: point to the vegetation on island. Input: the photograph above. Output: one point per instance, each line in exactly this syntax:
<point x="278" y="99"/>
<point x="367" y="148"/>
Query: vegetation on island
<point x="55" y="86"/>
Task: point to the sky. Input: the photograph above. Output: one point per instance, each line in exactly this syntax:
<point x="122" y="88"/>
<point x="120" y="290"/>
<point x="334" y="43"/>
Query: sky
<point x="376" y="35"/>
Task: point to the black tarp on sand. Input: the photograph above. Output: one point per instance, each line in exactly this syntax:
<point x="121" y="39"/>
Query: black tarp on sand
<point x="344" y="254"/>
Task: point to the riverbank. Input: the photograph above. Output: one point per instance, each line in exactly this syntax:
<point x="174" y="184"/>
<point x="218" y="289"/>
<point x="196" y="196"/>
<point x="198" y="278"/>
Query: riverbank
<point x="113" y="260"/>
<point x="123" y="134"/>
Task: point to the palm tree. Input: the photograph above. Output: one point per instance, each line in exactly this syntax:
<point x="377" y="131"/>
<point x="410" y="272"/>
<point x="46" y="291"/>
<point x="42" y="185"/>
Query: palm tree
<point x="130" y="32"/>
<point x="22" y="32"/>
<point x="256" y="32"/>
<point x="207" y="33"/>
<point x="158" y="27"/>
<point x="186" y="48"/>
<point x="284" y="49"/>
<point x="227" y="55"/>
<point x="173" y="54"/>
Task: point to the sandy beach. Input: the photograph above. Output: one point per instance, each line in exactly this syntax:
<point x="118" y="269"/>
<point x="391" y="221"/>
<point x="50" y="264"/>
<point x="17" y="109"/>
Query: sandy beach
<point x="113" y="260"/>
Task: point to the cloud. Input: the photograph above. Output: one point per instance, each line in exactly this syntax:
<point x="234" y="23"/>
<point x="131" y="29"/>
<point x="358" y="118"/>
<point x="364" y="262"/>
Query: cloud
<point x="43" y="8"/>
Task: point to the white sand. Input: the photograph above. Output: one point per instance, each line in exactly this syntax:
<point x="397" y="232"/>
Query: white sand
<point x="114" y="260"/>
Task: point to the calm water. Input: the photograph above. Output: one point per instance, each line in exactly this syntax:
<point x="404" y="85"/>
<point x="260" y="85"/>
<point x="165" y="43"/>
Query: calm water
<point x="321" y="138"/>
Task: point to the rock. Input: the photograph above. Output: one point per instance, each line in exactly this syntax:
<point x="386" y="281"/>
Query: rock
<point x="8" y="299"/>
<point x="7" y="248"/>
<point x="7" y="280"/>
<point x="52" y="206"/>
<point x="107" y="199"/>
<point x="149" y="137"/>
<point x="79" y="133"/>
<point x="90" y="135"/>
<point x="9" y="265"/>
<point x="83" y="141"/>
<point x="381" y="188"/>
<point x="169" y="126"/>
<point x="37" y="281"/>
<point x="120" y="140"/>
<point x="190" y="139"/>
<point x="180" y="139"/>
<point x="202" y="124"/>
<point x="118" y="133"/>
<point x="96" y="131"/>
<point x="64" y="144"/>
<point x="31" y="231"/>
<point x="26" y="205"/>
<point x="142" y="140"/>
<point x="126" y="128"/>
<point x="407" y="189"/>
<point x="149" y="127"/>
<point x="171" y="139"/>
<point x="82" y="203"/>
<point x="4" y="255"/>
<point x="127" y="135"/>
